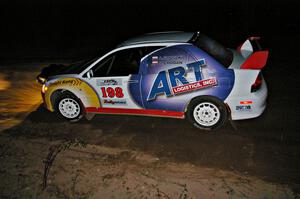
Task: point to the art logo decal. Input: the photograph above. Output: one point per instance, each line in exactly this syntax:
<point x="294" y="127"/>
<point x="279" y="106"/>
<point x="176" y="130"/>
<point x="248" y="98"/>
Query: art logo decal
<point x="172" y="76"/>
<point x="195" y="85"/>
<point x="174" y="81"/>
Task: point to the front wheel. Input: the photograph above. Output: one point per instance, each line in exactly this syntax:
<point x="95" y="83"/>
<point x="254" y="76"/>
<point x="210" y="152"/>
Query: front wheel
<point x="207" y="113"/>
<point x="69" y="107"/>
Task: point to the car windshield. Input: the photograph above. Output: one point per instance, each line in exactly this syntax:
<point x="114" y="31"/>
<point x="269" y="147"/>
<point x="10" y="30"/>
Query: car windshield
<point x="79" y="66"/>
<point x="213" y="48"/>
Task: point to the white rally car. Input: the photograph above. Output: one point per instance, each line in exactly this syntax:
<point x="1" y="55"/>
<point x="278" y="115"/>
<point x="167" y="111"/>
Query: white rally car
<point x="167" y="74"/>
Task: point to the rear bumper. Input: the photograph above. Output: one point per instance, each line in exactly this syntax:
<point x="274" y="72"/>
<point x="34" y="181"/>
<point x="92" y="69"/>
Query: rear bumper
<point x="246" y="111"/>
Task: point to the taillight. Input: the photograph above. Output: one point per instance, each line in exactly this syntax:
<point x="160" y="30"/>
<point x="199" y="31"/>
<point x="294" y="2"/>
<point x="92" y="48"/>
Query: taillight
<point x="257" y="84"/>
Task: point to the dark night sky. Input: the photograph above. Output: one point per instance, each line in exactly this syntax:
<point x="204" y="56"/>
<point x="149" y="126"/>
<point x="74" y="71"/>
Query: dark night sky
<point x="57" y="29"/>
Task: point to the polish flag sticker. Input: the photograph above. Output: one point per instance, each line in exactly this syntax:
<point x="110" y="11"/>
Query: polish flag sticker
<point x="155" y="60"/>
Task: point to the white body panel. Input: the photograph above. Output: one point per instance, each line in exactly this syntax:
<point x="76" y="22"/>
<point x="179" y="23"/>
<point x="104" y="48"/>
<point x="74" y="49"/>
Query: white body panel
<point x="241" y="91"/>
<point x="101" y="84"/>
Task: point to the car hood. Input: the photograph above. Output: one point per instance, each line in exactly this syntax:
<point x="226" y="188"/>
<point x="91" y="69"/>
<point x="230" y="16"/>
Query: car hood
<point x="53" y="69"/>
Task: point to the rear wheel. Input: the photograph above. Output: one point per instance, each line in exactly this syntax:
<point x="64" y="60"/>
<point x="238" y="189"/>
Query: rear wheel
<point x="69" y="107"/>
<point x="207" y="113"/>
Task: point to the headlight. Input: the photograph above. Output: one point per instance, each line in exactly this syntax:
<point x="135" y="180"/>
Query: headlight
<point x="41" y="80"/>
<point x="44" y="88"/>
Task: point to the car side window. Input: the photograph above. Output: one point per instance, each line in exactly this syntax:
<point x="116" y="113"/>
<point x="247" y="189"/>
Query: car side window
<point x="122" y="63"/>
<point x="101" y="68"/>
<point x="125" y="62"/>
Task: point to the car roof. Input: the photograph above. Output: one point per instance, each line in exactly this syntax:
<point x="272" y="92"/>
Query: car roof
<point x="159" y="37"/>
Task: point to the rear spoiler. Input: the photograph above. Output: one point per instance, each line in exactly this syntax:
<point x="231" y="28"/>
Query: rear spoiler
<point x="256" y="58"/>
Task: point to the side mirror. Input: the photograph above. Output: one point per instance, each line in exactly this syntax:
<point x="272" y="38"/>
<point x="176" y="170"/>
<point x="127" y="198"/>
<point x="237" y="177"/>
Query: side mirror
<point x="90" y="74"/>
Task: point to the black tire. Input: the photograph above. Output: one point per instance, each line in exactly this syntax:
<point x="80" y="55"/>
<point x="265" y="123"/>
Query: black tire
<point x="213" y="104"/>
<point x="69" y="96"/>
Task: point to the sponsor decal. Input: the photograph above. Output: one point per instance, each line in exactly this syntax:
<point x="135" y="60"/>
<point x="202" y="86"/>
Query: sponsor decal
<point x="243" y="108"/>
<point x="168" y="59"/>
<point x="72" y="82"/>
<point x="109" y="82"/>
<point x="246" y="102"/>
<point x="173" y="81"/>
<point x="111" y="101"/>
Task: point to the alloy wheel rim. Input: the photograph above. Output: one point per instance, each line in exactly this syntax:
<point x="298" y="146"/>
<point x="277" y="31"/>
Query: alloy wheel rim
<point x="206" y="114"/>
<point x="69" y="108"/>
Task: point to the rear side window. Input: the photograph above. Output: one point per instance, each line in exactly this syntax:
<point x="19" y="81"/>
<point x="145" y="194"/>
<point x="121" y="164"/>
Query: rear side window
<point x="213" y="48"/>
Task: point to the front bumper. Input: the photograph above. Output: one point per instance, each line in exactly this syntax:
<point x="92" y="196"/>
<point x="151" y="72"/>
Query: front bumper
<point x="47" y="106"/>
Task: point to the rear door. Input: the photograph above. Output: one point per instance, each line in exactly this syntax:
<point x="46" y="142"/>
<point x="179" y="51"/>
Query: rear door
<point x="174" y="75"/>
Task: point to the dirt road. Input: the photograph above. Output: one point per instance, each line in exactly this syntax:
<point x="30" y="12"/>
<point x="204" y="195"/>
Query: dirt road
<point x="144" y="157"/>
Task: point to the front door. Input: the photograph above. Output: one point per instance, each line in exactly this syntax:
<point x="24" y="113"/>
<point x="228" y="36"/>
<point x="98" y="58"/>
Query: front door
<point x="113" y="77"/>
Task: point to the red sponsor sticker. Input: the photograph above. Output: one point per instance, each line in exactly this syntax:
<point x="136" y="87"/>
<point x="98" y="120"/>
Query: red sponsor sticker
<point x="195" y="85"/>
<point x="246" y="102"/>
